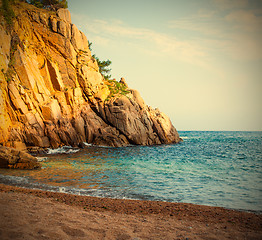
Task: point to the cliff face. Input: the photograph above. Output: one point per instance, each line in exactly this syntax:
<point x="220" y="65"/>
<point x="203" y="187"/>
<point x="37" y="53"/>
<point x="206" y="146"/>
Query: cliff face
<point x="52" y="92"/>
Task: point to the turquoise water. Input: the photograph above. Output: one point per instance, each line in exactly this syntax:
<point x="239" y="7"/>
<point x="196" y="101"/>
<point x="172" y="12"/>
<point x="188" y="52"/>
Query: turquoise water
<point x="208" y="168"/>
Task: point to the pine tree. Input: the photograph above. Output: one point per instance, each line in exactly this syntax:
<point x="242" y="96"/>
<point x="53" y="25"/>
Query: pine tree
<point x="103" y="67"/>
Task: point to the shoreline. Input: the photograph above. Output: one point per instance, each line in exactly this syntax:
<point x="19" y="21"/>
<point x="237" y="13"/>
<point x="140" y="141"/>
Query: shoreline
<point x="203" y="219"/>
<point x="40" y="192"/>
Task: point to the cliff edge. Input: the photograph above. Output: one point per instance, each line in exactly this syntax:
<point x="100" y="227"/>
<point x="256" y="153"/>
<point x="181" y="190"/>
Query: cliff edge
<point x="52" y="93"/>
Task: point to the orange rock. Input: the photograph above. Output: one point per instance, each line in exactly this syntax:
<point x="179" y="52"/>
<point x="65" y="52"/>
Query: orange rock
<point x="51" y="111"/>
<point x="64" y="14"/>
<point x="12" y="158"/>
<point x="55" y="95"/>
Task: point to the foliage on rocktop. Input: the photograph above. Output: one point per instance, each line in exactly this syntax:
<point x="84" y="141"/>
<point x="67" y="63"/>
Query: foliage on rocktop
<point x="49" y="4"/>
<point x="116" y="88"/>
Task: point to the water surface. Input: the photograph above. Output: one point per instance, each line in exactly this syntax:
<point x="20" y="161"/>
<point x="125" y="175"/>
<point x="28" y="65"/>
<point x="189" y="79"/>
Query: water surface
<point x="209" y="168"/>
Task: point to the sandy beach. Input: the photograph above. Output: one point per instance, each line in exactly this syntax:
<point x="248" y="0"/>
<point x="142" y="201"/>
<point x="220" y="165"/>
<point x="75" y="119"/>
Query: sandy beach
<point x="35" y="214"/>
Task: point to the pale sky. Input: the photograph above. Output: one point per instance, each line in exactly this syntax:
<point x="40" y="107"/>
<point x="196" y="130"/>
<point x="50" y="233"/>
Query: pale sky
<point x="198" y="61"/>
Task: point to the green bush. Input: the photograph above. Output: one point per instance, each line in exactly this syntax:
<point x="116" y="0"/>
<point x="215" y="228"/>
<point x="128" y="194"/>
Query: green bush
<point x="49" y="4"/>
<point x="103" y="65"/>
<point x="116" y="88"/>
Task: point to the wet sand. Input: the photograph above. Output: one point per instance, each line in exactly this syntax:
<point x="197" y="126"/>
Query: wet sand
<point x="35" y="214"/>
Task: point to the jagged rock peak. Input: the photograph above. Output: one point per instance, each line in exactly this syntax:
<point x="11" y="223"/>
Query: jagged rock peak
<point x="52" y="93"/>
<point x="64" y="14"/>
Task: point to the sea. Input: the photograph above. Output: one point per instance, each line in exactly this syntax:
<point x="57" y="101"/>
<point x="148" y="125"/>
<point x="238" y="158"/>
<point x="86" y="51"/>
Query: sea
<point x="215" y="168"/>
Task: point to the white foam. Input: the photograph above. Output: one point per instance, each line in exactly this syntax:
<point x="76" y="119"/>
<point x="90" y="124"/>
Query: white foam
<point x="41" y="159"/>
<point x="103" y="146"/>
<point x="184" y="137"/>
<point x="88" y="144"/>
<point x="64" y="149"/>
<point x="92" y="145"/>
<point x="72" y="150"/>
<point x="62" y="189"/>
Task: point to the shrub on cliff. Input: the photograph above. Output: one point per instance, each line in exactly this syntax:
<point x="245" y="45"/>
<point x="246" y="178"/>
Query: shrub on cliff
<point x="103" y="65"/>
<point x="49" y="4"/>
<point x="116" y="88"/>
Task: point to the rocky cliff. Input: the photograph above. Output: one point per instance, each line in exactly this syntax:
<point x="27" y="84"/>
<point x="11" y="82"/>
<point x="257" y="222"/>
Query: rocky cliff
<point x="52" y="93"/>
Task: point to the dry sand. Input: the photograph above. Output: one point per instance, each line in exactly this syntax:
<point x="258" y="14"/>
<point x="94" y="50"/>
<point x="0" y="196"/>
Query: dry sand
<point x="34" y="214"/>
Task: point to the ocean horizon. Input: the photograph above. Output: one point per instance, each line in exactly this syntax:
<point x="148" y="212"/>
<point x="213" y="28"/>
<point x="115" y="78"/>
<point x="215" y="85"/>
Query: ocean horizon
<point x="215" y="168"/>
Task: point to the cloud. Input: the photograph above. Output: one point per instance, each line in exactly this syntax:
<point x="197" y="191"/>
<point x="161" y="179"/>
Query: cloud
<point x="205" y="13"/>
<point x="153" y="42"/>
<point x="245" y="20"/>
<point x="244" y="48"/>
<point x="230" y="4"/>
<point x="246" y="34"/>
<point x="235" y="33"/>
<point x="195" y="24"/>
<point x="101" y="41"/>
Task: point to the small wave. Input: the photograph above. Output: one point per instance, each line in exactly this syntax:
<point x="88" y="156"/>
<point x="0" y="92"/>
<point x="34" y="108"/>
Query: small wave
<point x="41" y="159"/>
<point x="102" y="146"/>
<point x="88" y="144"/>
<point x="184" y="137"/>
<point x="64" y="149"/>
<point x="92" y="145"/>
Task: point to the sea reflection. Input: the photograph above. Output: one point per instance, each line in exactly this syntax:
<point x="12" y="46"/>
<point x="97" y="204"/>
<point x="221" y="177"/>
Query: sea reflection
<point x="89" y="168"/>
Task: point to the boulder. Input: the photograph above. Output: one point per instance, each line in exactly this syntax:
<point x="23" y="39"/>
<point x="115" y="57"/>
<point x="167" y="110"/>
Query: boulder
<point x="53" y="23"/>
<point x="92" y="83"/>
<point x="51" y="111"/>
<point x="68" y="133"/>
<point x="110" y="137"/>
<point x="163" y="127"/>
<point x="98" y="132"/>
<point x="78" y="39"/>
<point x="50" y="132"/>
<point x="16" y="98"/>
<point x="123" y="81"/>
<point x="43" y="18"/>
<point x="55" y="76"/>
<point x="64" y="29"/>
<point x="138" y="99"/>
<point x="12" y="158"/>
<point x="18" y="145"/>
<point x="124" y="114"/>
<point x="79" y="125"/>
<point x="64" y="14"/>
<point x="38" y="141"/>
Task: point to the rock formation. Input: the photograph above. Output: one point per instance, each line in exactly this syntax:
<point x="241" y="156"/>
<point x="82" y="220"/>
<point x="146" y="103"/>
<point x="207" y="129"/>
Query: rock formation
<point x="52" y="93"/>
<point x="12" y="158"/>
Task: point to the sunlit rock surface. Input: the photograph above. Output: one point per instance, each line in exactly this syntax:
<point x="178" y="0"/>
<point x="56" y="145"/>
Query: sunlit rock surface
<point x="52" y="93"/>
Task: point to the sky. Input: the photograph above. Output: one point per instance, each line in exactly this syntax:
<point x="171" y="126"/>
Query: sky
<point x="198" y="61"/>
